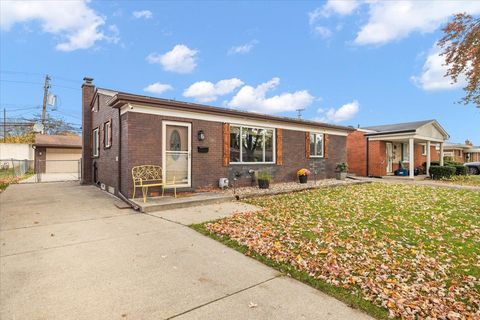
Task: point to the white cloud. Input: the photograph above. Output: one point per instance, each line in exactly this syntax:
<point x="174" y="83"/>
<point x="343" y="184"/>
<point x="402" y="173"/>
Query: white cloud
<point x="323" y="32"/>
<point x="180" y="59"/>
<point x="244" y="48"/>
<point x="341" y="7"/>
<point x="145" y="14"/>
<point x="433" y="74"/>
<point x="392" y="20"/>
<point x="254" y="99"/>
<point x="344" y="113"/>
<point x="74" y="22"/>
<point x="157" y="88"/>
<point x="205" y="91"/>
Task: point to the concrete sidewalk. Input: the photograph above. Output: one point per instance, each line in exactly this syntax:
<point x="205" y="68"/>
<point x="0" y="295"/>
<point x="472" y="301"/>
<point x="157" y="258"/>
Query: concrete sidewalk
<point x="68" y="253"/>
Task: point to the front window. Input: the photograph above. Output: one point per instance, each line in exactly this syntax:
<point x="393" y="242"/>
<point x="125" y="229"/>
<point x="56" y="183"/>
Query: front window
<point x="316" y="145"/>
<point x="251" y="145"/>
<point x="95" y="144"/>
<point x="405" y="152"/>
<point x="424" y="149"/>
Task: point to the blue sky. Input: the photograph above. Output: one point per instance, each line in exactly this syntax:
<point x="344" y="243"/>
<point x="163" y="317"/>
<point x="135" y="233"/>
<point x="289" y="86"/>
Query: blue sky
<point x="345" y="62"/>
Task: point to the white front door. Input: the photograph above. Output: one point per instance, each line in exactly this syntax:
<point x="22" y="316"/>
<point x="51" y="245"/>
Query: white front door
<point x="176" y="155"/>
<point x="389" y="156"/>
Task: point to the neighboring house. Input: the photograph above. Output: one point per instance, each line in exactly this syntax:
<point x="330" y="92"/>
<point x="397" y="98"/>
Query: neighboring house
<point x="462" y="153"/>
<point x="57" y="153"/>
<point x="197" y="144"/>
<point x="378" y="150"/>
<point x="17" y="151"/>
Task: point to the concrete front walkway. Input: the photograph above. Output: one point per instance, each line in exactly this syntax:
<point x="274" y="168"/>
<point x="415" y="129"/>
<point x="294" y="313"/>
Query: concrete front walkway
<point x="66" y="252"/>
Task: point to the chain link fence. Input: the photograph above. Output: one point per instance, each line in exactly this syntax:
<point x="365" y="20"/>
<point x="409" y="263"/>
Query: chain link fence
<point x="14" y="168"/>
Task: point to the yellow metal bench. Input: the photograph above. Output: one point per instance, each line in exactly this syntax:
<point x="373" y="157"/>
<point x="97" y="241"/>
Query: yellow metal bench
<point x="149" y="176"/>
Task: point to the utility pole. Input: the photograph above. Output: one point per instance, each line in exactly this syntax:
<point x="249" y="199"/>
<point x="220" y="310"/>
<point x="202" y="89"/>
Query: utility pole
<point x="45" y="95"/>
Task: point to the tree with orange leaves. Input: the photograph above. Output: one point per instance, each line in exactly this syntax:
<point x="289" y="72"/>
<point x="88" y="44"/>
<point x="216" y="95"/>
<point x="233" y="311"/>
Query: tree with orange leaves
<point x="461" y="49"/>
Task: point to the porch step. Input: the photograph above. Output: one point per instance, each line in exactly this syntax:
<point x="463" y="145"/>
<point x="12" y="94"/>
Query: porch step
<point x="168" y="202"/>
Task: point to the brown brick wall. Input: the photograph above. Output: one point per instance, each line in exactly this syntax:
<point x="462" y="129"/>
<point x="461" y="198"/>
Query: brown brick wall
<point x="107" y="166"/>
<point x="294" y="150"/>
<point x="142" y="144"/>
<point x="144" y="132"/>
<point x="356" y="153"/>
<point x="87" y="96"/>
<point x="40" y="157"/>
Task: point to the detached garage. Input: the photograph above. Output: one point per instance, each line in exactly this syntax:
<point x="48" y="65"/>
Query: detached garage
<point x="57" y="157"/>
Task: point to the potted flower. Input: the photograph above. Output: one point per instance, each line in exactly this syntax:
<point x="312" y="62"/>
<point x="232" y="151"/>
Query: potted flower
<point x="263" y="179"/>
<point x="303" y="175"/>
<point x="341" y="170"/>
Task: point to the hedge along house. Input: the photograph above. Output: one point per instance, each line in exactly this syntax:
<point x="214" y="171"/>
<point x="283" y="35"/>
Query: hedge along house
<point x="197" y="144"/>
<point x="378" y="150"/>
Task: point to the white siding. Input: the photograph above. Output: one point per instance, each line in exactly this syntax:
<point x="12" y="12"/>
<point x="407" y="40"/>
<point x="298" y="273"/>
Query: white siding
<point x="18" y="151"/>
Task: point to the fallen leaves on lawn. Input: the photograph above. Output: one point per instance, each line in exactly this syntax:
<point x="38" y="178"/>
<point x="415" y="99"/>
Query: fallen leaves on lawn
<point x="412" y="250"/>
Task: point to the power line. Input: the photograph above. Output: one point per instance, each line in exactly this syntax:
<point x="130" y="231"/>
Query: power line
<point x="19" y="81"/>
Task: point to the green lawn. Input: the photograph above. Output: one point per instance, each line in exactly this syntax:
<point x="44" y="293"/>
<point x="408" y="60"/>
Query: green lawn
<point x="469" y="180"/>
<point x="392" y="250"/>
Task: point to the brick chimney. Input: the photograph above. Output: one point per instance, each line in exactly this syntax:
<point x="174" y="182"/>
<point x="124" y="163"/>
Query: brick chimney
<point x="88" y="90"/>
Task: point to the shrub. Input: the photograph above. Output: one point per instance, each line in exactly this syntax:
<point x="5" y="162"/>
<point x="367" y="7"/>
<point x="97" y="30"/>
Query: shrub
<point x="460" y="170"/>
<point x="263" y="175"/>
<point x="439" y="172"/>
<point x="341" y="167"/>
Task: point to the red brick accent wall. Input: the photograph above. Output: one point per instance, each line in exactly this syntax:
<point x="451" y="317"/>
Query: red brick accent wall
<point x="420" y="159"/>
<point x="356" y="153"/>
<point x="377" y="162"/>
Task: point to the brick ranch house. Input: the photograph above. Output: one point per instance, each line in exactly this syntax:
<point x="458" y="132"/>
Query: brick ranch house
<point x="197" y="144"/>
<point x="462" y="153"/>
<point x="377" y="150"/>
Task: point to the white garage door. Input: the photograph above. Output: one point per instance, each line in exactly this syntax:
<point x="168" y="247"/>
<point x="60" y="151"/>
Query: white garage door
<point x="62" y="160"/>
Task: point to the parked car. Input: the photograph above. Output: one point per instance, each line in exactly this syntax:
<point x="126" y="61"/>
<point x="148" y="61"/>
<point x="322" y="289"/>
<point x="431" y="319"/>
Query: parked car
<point x="473" y="167"/>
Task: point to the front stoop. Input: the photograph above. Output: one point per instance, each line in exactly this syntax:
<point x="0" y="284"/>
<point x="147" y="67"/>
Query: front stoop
<point x="168" y="202"/>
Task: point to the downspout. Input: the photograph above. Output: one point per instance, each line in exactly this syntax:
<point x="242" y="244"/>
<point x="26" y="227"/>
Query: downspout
<point x="119" y="166"/>
<point x="368" y="142"/>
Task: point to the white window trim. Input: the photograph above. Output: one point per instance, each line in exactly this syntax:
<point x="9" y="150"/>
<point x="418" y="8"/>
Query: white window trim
<point x="323" y="145"/>
<point x="188" y="152"/>
<point x="95" y="143"/>
<point x="107" y="127"/>
<point x="407" y="147"/>
<point x="424" y="149"/>
<point x="274" y="143"/>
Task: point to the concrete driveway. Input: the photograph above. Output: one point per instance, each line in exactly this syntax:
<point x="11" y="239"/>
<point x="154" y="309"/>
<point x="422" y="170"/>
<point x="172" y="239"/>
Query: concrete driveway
<point x="68" y="253"/>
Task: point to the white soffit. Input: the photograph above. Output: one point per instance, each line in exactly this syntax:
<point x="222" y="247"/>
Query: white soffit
<point x="229" y="119"/>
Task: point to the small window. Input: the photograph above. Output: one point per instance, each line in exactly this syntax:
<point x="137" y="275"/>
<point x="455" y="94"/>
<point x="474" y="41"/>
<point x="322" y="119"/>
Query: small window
<point x="107" y="134"/>
<point x="424" y="149"/>
<point x="316" y="145"/>
<point x="95" y="143"/>
<point x="405" y="152"/>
